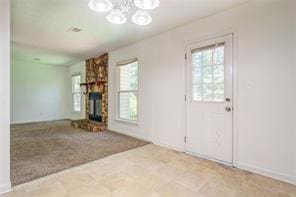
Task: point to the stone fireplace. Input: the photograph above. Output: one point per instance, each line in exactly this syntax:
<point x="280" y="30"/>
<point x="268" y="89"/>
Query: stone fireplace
<point x="96" y="95"/>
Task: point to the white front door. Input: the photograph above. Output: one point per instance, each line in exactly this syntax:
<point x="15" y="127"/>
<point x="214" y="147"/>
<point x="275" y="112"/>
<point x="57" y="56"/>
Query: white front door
<point x="209" y="99"/>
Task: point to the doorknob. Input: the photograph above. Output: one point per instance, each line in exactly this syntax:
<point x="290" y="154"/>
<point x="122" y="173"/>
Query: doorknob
<point x="228" y="108"/>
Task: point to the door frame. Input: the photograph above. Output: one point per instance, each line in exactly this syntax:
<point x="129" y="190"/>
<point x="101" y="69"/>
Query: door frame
<point x="220" y="34"/>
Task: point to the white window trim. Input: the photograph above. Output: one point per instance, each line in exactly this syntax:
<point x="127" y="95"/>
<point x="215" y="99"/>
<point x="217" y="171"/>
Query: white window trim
<point x="72" y="93"/>
<point x="122" y="63"/>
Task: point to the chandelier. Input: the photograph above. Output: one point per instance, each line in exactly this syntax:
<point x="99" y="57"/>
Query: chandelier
<point x="119" y="10"/>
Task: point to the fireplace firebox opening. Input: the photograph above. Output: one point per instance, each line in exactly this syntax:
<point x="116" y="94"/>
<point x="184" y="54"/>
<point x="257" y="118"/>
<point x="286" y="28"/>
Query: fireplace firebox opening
<point x="95" y="106"/>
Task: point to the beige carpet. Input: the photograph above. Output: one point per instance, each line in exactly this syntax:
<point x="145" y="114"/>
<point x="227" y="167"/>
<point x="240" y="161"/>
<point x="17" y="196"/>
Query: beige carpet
<point x="39" y="149"/>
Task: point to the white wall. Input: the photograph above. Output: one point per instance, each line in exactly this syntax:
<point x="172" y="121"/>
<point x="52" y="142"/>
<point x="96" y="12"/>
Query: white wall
<point x="264" y="53"/>
<point x="42" y="92"/>
<point x="294" y="18"/>
<point x="143" y="129"/>
<point x="38" y="92"/>
<point x="78" y="68"/>
<point x="5" y="185"/>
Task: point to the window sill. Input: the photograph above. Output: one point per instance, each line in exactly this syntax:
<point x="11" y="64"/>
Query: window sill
<point x="127" y="121"/>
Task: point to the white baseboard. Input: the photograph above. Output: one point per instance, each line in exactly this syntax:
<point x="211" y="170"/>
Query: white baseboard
<point x="208" y="158"/>
<point x="156" y="142"/>
<point x="36" y="121"/>
<point x="131" y="135"/>
<point x="179" y="148"/>
<point x="5" y="188"/>
<point x="268" y="173"/>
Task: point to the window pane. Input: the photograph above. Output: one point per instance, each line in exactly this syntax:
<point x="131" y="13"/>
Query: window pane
<point x="218" y="89"/>
<point x="196" y="59"/>
<point x="129" y="76"/>
<point x="196" y="93"/>
<point x="218" y="97"/>
<point x="128" y="106"/>
<point x="196" y="75"/>
<point x="207" y="57"/>
<point x="207" y="74"/>
<point x="76" y="80"/>
<point x="218" y="74"/>
<point x="218" y="92"/>
<point x="76" y="102"/>
<point x="219" y="55"/>
<point x="207" y="93"/>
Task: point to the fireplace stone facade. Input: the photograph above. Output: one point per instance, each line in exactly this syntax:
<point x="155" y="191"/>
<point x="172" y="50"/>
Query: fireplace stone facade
<point x="96" y="81"/>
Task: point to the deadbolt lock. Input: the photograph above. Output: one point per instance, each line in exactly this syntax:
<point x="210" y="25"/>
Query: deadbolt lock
<point x="228" y="108"/>
<point x="227" y="99"/>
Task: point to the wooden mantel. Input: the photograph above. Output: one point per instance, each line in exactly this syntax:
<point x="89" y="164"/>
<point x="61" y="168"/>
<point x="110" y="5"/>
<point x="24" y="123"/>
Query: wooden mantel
<point x="98" y="83"/>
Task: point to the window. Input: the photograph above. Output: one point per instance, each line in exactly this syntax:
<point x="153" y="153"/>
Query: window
<point x="128" y="91"/>
<point x="208" y="73"/>
<point x="76" y="93"/>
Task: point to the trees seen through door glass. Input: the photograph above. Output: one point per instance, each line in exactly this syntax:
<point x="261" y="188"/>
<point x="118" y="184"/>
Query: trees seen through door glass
<point x="208" y="73"/>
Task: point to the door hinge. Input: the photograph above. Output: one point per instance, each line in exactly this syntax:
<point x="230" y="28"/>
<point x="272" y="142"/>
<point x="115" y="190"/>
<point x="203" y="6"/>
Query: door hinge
<point x="185" y="56"/>
<point x="185" y="98"/>
<point x="185" y="139"/>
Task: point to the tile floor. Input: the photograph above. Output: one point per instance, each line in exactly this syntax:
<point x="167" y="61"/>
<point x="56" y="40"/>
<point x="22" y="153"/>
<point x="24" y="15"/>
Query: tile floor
<point x="153" y="171"/>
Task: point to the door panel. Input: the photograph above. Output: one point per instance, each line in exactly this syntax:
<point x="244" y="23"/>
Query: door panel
<point x="209" y="107"/>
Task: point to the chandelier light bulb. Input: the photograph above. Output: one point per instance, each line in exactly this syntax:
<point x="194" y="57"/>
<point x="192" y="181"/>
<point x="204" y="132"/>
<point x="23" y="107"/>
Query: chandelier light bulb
<point x="100" y="5"/>
<point x="116" y="17"/>
<point x="142" y="18"/>
<point x="147" y="4"/>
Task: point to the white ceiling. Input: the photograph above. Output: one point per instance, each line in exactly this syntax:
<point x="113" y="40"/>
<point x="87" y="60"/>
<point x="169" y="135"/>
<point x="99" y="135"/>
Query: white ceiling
<point x="40" y="27"/>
